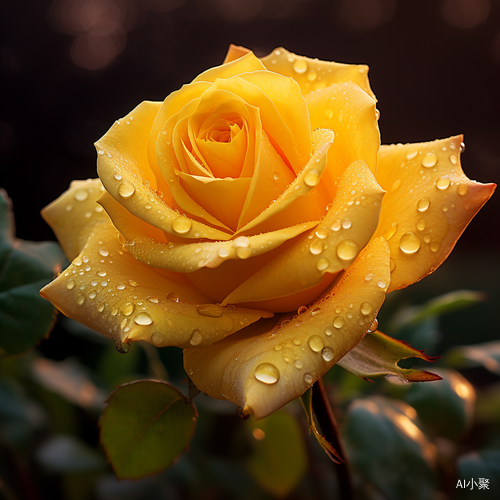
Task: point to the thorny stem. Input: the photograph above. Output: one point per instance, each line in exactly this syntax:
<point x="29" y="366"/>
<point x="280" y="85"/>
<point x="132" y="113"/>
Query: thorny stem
<point x="329" y="427"/>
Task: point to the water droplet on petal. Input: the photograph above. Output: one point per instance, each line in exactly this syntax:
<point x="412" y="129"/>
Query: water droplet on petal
<point x="347" y="250"/>
<point x="327" y="353"/>
<point x="434" y="246"/>
<point x="122" y="348"/>
<point x="300" y="66"/>
<point x="181" y="225"/>
<point x="308" y="379"/>
<point x="462" y="189"/>
<point x="196" y="337"/>
<point x="267" y="373"/>
<point x="70" y="284"/>
<point x="210" y="310"/>
<point x="316" y="247"/>
<point x="315" y="343"/>
<point x="443" y="183"/>
<point x="81" y="194"/>
<point x="366" y="308"/>
<point x="328" y="331"/>
<point x="80" y="299"/>
<point x="241" y="242"/>
<point x="101" y="273"/>
<point x="329" y="113"/>
<point x="298" y="364"/>
<point x="423" y="204"/>
<point x="321" y="232"/>
<point x="409" y="243"/>
<point x="421" y="224"/>
<point x="411" y="155"/>
<point x="128" y="309"/>
<point x="373" y="326"/>
<point x="103" y="252"/>
<point x="336" y="225"/>
<point x="153" y="299"/>
<point x="369" y="277"/>
<point x="173" y="296"/>
<point x="429" y="160"/>
<point x="346" y="223"/>
<point x="462" y="147"/>
<point x="157" y="338"/>
<point x="338" y="322"/>
<point x="126" y="189"/>
<point x="243" y="253"/>
<point x="396" y="185"/>
<point x="322" y="264"/>
<point x="389" y="232"/>
<point x="223" y="252"/>
<point x="453" y="159"/>
<point x="311" y="178"/>
<point x="143" y="319"/>
<point x="92" y="294"/>
<point x="381" y="284"/>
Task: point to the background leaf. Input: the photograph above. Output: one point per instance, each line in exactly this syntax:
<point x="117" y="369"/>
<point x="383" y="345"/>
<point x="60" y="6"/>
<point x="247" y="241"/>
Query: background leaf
<point x="145" y="426"/>
<point x="25" y="267"/>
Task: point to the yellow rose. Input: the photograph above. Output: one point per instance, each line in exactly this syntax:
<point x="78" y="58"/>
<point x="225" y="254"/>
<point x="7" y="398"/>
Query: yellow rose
<point x="253" y="219"/>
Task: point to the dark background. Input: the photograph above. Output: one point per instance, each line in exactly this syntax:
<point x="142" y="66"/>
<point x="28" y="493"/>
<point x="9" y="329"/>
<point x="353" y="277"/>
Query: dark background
<point x="71" y="67"/>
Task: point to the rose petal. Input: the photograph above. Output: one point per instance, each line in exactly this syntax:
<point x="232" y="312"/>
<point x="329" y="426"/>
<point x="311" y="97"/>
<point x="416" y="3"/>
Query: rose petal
<point x="329" y="248"/>
<point x="429" y="203"/>
<point x="351" y="114"/>
<point x="307" y="180"/>
<point x="262" y="369"/>
<point x="313" y="74"/>
<point x="124" y="170"/>
<point x="244" y="64"/>
<point x="73" y="215"/>
<point x="235" y="52"/>
<point x="108" y="290"/>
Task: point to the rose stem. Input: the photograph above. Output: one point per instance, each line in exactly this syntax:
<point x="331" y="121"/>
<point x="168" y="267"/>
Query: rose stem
<point x="329" y="427"/>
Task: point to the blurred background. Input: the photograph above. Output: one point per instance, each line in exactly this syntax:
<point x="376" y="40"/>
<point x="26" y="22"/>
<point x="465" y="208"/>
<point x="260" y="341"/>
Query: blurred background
<point x="71" y="67"/>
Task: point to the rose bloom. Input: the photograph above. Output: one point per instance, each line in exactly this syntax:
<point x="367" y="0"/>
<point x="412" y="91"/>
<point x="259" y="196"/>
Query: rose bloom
<point x="253" y="219"/>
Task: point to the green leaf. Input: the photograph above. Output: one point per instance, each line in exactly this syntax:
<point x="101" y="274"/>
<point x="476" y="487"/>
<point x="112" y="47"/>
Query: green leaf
<point x="145" y="426"/>
<point x="65" y="454"/>
<point x="475" y="468"/>
<point x="445" y="406"/>
<point x="438" y="306"/>
<point x="390" y="456"/>
<point x="306" y="400"/>
<point x="25" y="267"/>
<point x="377" y="355"/>
<point x="278" y="461"/>
<point x="486" y="354"/>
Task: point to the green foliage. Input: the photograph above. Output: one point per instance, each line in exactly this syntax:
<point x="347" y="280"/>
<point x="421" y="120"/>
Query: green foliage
<point x="145" y="426"/>
<point x="391" y="458"/>
<point x="278" y="459"/>
<point x="25" y="267"/>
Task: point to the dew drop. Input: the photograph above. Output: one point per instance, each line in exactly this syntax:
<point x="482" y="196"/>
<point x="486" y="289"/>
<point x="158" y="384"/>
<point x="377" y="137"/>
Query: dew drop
<point x="381" y="284"/>
<point x="421" y="224"/>
<point x="128" y="309"/>
<point x="223" y="252"/>
<point x="301" y="309"/>
<point x="121" y="286"/>
<point x="118" y="177"/>
<point x="327" y="353"/>
<point x="373" y="326"/>
<point x="311" y="178"/>
<point x="267" y="373"/>
<point x="143" y="318"/>
<point x="369" y="277"/>
<point x="443" y="183"/>
<point x="153" y="299"/>
<point x="241" y="242"/>
<point x="411" y="155"/>
<point x="243" y="253"/>
<point x="423" y="204"/>
<point x="103" y="251"/>
<point x="308" y="378"/>
<point x="462" y="189"/>
<point x="434" y="246"/>
<point x="429" y="160"/>
<point x="336" y="225"/>
<point x="173" y="296"/>
<point x="276" y="176"/>
<point x="409" y="243"/>
<point x="70" y="284"/>
<point x="80" y="299"/>
<point x="321" y="232"/>
<point x="329" y="113"/>
<point x="122" y="348"/>
<point x="396" y="185"/>
<point x="366" y="308"/>
<point x="92" y="294"/>
<point x="311" y="76"/>
<point x="126" y="189"/>
<point x="346" y="223"/>
<point x="328" y="331"/>
<point x="322" y="264"/>
<point x="100" y="308"/>
<point x="157" y="338"/>
<point x="316" y="343"/>
<point x="347" y="250"/>
<point x="81" y="194"/>
<point x="181" y="225"/>
<point x="453" y="159"/>
<point x="392" y="264"/>
<point x="338" y="322"/>
<point x="132" y="283"/>
<point x="300" y="66"/>
<point x="462" y="147"/>
<point x="298" y="364"/>
<point x="196" y="337"/>
<point x="210" y="310"/>
<point x="316" y="247"/>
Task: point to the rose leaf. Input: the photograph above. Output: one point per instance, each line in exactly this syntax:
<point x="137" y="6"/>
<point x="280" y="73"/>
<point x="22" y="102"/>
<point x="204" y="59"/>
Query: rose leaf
<point x="377" y="356"/>
<point x="486" y="354"/>
<point x="390" y="457"/>
<point x="25" y="266"/>
<point x="145" y="427"/>
<point x="279" y="458"/>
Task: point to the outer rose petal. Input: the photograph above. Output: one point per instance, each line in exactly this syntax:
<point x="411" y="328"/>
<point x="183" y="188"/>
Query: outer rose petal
<point x="329" y="248"/>
<point x="235" y="52"/>
<point x="429" y="203"/>
<point x="127" y="175"/>
<point x="351" y="114"/>
<point x="108" y="290"/>
<point x="73" y="215"/>
<point x="313" y="74"/>
<point x="261" y="369"/>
